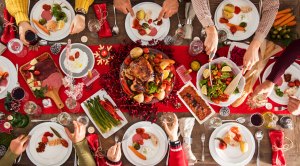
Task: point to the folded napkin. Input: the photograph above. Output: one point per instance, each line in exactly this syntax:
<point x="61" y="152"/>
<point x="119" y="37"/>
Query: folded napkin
<point x="186" y="126"/>
<point x="189" y="15"/>
<point x="101" y="13"/>
<point x="9" y="27"/>
<point x="96" y="148"/>
<point x="277" y="142"/>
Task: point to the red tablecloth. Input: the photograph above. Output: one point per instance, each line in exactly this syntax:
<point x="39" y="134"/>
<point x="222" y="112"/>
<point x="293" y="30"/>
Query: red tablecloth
<point x="180" y="55"/>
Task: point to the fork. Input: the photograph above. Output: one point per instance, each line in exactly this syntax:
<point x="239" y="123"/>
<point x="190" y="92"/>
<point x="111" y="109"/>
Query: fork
<point x="202" y="140"/>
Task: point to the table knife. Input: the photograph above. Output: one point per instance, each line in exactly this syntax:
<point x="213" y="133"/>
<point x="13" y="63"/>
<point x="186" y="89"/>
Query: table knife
<point x="233" y="84"/>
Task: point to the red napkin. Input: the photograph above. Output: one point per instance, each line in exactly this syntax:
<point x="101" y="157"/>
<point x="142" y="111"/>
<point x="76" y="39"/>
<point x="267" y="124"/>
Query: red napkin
<point x="277" y="142"/>
<point x="105" y="30"/>
<point x="8" y="32"/>
<point x="93" y="142"/>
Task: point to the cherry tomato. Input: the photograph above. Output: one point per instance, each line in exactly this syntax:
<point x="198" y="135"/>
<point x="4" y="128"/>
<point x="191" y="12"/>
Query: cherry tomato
<point x="160" y="56"/>
<point x="222" y="146"/>
<point x="127" y="61"/>
<point x="156" y="60"/>
<point x="219" y="74"/>
<point x="146" y="50"/>
<point x="219" y="66"/>
<point x="227" y="82"/>
<point x="208" y="83"/>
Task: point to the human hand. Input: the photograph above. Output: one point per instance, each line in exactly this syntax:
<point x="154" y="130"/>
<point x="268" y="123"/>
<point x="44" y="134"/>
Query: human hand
<point x="172" y="130"/>
<point x="79" y="132"/>
<point x="211" y="41"/>
<point x="251" y="55"/>
<point x="23" y="27"/>
<point x="169" y="8"/>
<point x="78" y="24"/>
<point x="114" y="153"/>
<point x="264" y="88"/>
<point x="18" y="145"/>
<point x="294" y="106"/>
<point x="124" y="6"/>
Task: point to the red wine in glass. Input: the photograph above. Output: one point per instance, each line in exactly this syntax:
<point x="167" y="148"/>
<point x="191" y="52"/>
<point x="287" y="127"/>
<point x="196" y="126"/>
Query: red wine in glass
<point x="257" y="120"/>
<point x="31" y="37"/>
<point x="18" y="93"/>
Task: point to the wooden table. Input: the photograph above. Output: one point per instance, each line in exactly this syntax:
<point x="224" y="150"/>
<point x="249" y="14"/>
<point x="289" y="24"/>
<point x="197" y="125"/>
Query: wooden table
<point x="291" y="155"/>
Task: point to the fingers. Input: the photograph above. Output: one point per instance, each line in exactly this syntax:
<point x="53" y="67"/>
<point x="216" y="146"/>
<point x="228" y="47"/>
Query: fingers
<point x="118" y="150"/>
<point x="21" y="137"/>
<point x="166" y="127"/>
<point x="72" y="28"/>
<point x="69" y="134"/>
<point x="130" y="11"/>
<point x="26" y="144"/>
<point x="25" y="139"/>
<point x="22" y="38"/>
<point x="113" y="149"/>
<point x="293" y="100"/>
<point x="76" y="127"/>
<point x="161" y="14"/>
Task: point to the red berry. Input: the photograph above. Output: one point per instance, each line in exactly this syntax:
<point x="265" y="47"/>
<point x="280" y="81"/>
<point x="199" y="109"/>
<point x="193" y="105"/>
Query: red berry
<point x="237" y="10"/>
<point x="160" y="56"/>
<point x="142" y="32"/>
<point x="297" y="82"/>
<point x="36" y="72"/>
<point x="150" y="21"/>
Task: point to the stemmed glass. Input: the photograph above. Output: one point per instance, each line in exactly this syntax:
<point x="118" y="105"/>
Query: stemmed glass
<point x="16" y="47"/>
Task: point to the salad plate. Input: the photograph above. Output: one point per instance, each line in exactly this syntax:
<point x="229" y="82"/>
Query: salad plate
<point x="223" y="70"/>
<point x="45" y="146"/>
<point x="52" y="19"/>
<point x="9" y="67"/>
<point x="288" y="84"/>
<point x="240" y="145"/>
<point x="240" y="18"/>
<point x="149" y="141"/>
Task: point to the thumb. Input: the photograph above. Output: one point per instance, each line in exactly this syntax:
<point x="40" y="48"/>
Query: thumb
<point x="72" y="28"/>
<point x="161" y="14"/>
<point x="131" y="11"/>
<point x="32" y="29"/>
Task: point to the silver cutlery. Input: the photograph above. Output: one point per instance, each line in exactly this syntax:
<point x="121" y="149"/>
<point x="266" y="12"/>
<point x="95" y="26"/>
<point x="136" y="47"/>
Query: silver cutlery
<point x="18" y="159"/>
<point x="211" y="57"/>
<point x="46" y="120"/>
<point x="117" y="139"/>
<point x="115" y="29"/>
<point x="179" y="22"/>
<point x="203" y="140"/>
<point x="43" y="42"/>
<point x="239" y="120"/>
<point x="259" y="135"/>
<point x="17" y="68"/>
<point x="75" y="158"/>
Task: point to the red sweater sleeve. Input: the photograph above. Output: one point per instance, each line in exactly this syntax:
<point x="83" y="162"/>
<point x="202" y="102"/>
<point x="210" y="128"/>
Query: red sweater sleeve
<point x="111" y="163"/>
<point x="177" y="156"/>
<point x="284" y="61"/>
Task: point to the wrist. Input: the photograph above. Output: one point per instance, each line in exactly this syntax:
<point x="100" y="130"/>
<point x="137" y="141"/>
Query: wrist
<point x="269" y="83"/>
<point x="255" y="44"/>
<point x="210" y="29"/>
<point x="173" y="139"/>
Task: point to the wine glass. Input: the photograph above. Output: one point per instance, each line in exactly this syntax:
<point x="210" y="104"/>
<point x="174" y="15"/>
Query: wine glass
<point x="16" y="47"/>
<point x="83" y="120"/>
<point x="94" y="25"/>
<point x="31" y="108"/>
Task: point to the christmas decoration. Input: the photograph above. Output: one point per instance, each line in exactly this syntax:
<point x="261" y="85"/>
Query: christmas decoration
<point x="55" y="48"/>
<point x="103" y="55"/>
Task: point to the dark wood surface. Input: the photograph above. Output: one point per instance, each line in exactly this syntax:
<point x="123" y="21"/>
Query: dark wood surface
<point x="291" y="155"/>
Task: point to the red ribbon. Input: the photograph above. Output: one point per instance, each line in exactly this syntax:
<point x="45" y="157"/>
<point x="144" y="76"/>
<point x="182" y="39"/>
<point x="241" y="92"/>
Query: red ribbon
<point x="95" y="146"/>
<point x="9" y="27"/>
<point x="101" y="13"/>
<point x="277" y="140"/>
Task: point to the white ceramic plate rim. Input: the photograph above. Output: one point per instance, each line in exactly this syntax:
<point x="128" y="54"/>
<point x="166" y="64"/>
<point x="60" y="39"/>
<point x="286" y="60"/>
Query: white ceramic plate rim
<point x="236" y="70"/>
<point x="3" y="67"/>
<point x="250" y="29"/>
<point x="156" y="129"/>
<point x="66" y="30"/>
<point x="103" y="93"/>
<point x="212" y="147"/>
<point x="277" y="99"/>
<point x="12" y="76"/>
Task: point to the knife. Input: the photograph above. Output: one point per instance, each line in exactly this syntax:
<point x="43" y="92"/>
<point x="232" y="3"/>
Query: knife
<point x="233" y="84"/>
<point x="56" y="132"/>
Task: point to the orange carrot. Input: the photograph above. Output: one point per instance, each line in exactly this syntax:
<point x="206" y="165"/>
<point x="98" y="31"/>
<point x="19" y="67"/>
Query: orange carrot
<point x="282" y="19"/>
<point x="44" y="29"/>
<point x="287" y="21"/>
<point x="137" y="153"/>
<point x="239" y="28"/>
<point x="279" y="16"/>
<point x="285" y="11"/>
<point x="292" y="23"/>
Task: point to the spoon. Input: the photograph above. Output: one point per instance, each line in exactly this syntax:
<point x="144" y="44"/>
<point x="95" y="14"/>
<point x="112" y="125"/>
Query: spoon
<point x="116" y="138"/>
<point x="43" y="42"/>
<point x="179" y="23"/>
<point x="47" y="120"/>
<point x="259" y="135"/>
<point x="115" y="29"/>
<point x="239" y="120"/>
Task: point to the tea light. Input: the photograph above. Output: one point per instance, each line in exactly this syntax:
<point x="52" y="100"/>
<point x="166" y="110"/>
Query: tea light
<point x="91" y="130"/>
<point x="7" y="125"/>
<point x="269" y="106"/>
<point x="84" y="39"/>
<point x="47" y="103"/>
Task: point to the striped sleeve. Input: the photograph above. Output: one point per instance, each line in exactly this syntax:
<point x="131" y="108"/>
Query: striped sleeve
<point x="203" y="13"/>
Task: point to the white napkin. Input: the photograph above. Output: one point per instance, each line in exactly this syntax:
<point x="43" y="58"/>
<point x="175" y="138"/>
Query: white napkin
<point x="186" y="126"/>
<point x="189" y="15"/>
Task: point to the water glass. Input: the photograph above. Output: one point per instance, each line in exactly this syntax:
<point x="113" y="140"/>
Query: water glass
<point x="64" y="119"/>
<point x="16" y="47"/>
<point x="94" y="25"/>
<point x="31" y="108"/>
<point x="196" y="47"/>
<point x="167" y="117"/>
<point x="72" y="105"/>
<point x="83" y="120"/>
<point x="178" y="38"/>
<point x="215" y="122"/>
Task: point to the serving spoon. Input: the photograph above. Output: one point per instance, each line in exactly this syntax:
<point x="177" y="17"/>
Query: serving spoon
<point x="259" y="135"/>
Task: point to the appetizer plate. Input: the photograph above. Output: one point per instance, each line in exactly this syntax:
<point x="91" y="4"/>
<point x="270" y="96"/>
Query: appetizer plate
<point x="86" y="59"/>
<point x="4" y="83"/>
<point x="251" y="18"/>
<point x="238" y="44"/>
<point x="235" y="69"/>
<point x="102" y="93"/>
<point x="53" y="155"/>
<point x="231" y="156"/>
<point x="12" y="79"/>
<point x="294" y="70"/>
<point x="36" y="12"/>
<point x="153" y="158"/>
<point x="188" y="107"/>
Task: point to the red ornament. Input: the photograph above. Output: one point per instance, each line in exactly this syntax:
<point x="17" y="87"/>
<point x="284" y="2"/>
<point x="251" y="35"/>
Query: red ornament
<point x="104" y="53"/>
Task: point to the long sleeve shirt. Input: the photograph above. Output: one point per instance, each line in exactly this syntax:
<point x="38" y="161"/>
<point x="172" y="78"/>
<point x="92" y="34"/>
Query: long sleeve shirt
<point x="269" y="11"/>
<point x="176" y="155"/>
<point x="19" y="8"/>
<point x="284" y="61"/>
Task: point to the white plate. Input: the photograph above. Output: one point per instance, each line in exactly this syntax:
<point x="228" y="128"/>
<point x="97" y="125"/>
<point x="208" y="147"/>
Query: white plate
<point x="232" y="156"/>
<point x="102" y="93"/>
<point x="160" y="35"/>
<point x="3" y="68"/>
<point x="251" y="18"/>
<point x="235" y="69"/>
<point x="52" y="156"/>
<point x="212" y="110"/>
<point x="89" y="53"/>
<point x="152" y="128"/>
<point x="12" y="75"/>
<point x="58" y="35"/>
<point x="238" y="44"/>
<point x="294" y="70"/>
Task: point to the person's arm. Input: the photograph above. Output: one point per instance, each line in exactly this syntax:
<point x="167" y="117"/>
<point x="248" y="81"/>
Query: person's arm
<point x="284" y="61"/>
<point x="8" y="159"/>
<point x="83" y="5"/>
<point x="84" y="155"/>
<point x="176" y="156"/>
<point x="18" y="9"/>
<point x="202" y="12"/>
<point x="269" y="11"/>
